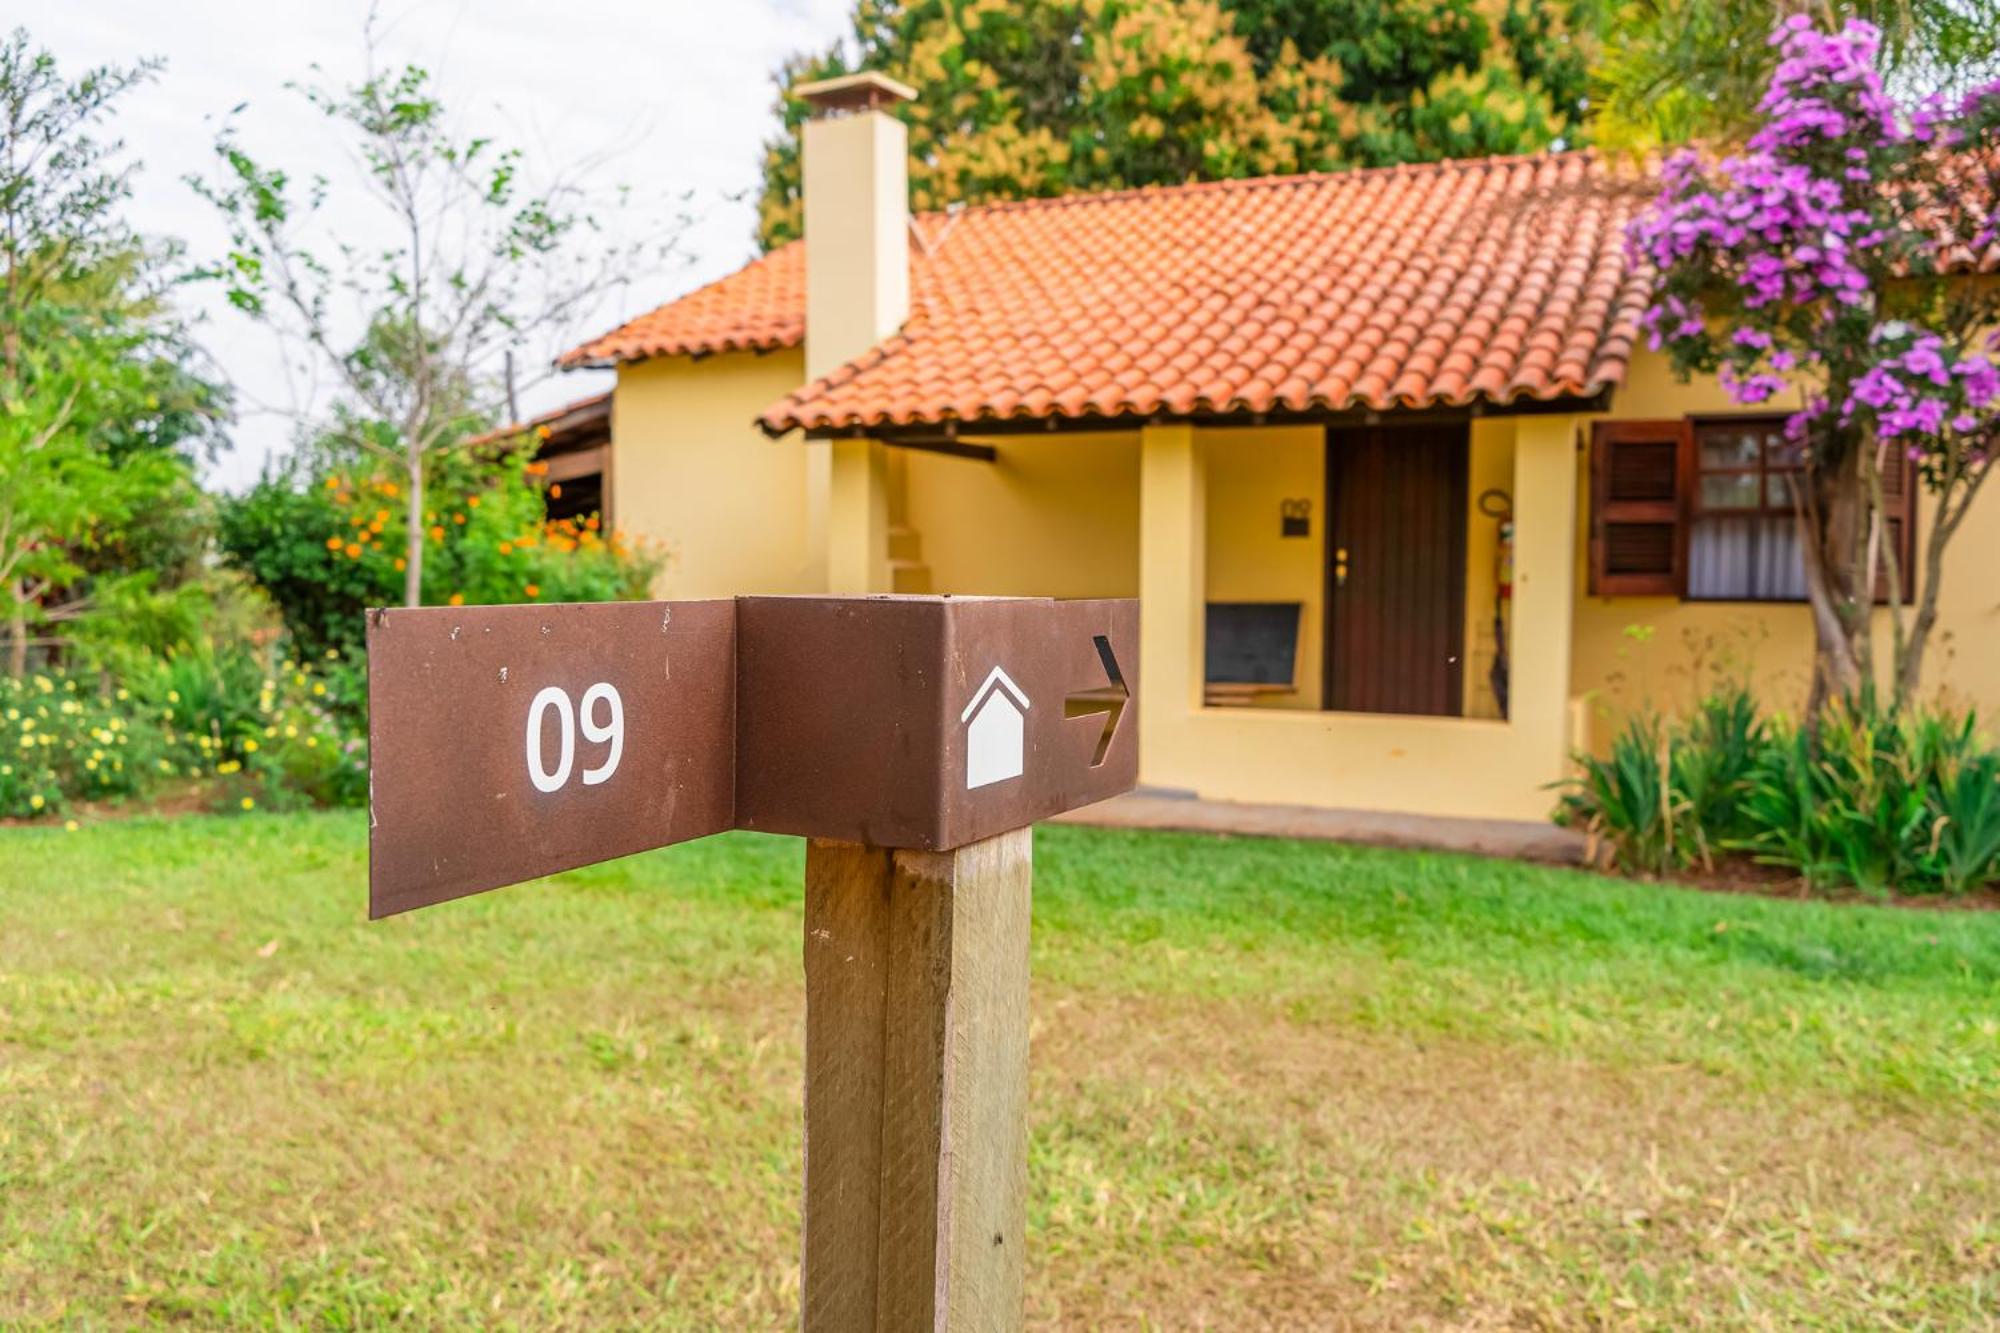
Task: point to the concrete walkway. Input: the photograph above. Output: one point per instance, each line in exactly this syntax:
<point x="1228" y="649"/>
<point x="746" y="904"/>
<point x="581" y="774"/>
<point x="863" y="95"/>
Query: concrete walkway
<point x="1520" y="840"/>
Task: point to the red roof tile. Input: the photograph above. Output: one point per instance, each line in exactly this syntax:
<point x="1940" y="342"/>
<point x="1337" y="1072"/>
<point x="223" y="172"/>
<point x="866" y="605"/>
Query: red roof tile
<point x="1490" y="280"/>
<point x="759" y="307"/>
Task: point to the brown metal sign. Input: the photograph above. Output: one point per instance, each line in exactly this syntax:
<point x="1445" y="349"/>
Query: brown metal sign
<point x="512" y="742"/>
<point x="931" y="722"/>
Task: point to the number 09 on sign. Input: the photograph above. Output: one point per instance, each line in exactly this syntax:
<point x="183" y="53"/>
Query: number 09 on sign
<point x="570" y="719"/>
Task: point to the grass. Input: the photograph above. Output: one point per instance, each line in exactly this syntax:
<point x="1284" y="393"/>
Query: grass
<point x="1275" y="1085"/>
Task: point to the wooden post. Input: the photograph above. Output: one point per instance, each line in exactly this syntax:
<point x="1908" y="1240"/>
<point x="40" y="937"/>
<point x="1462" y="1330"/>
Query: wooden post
<point x="916" y="1086"/>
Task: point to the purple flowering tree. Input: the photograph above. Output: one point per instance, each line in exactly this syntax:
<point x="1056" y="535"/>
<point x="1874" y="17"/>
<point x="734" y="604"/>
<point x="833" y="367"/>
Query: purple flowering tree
<point x="1831" y="267"/>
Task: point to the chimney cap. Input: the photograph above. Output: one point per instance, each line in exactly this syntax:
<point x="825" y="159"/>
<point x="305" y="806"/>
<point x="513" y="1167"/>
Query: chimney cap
<point x="870" y="90"/>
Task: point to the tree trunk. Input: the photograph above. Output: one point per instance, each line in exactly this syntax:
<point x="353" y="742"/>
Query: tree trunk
<point x="413" y="555"/>
<point x="1833" y="532"/>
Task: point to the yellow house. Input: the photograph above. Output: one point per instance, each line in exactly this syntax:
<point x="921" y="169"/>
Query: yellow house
<point x="1410" y="514"/>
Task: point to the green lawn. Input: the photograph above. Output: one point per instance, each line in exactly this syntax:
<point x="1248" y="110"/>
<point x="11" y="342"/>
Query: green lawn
<point x="1275" y="1085"/>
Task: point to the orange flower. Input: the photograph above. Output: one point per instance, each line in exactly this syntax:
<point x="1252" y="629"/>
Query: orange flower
<point x="457" y="599"/>
<point x="506" y="548"/>
<point x="555" y="490"/>
<point x="333" y="483"/>
<point x="381" y="517"/>
<point x="534" y="590"/>
<point x="333" y="543"/>
<point x="537" y="469"/>
<point x="401" y="564"/>
<point x="437" y="534"/>
<point x="472" y="500"/>
<point x="390" y="489"/>
<point x="544" y="432"/>
<point x="591" y="522"/>
<point x="458" y="519"/>
<point x="353" y="551"/>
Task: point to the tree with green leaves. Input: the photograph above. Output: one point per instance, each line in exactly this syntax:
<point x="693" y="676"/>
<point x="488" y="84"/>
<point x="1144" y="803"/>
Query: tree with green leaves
<point x="99" y="400"/>
<point x="1677" y="71"/>
<point x="1026" y="98"/>
<point x="445" y="261"/>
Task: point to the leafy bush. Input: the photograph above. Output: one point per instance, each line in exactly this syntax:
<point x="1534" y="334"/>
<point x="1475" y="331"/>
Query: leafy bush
<point x="1880" y="801"/>
<point x="1873" y="799"/>
<point x="328" y="547"/>
<point x="246" y="726"/>
<point x="1670" y="796"/>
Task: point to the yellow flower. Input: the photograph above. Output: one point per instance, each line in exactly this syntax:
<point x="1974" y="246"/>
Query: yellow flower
<point x="35" y="802"/>
<point x="312" y="741"/>
<point x="69" y="826"/>
<point x="173" y="696"/>
<point x="290" y="731"/>
<point x="249" y="746"/>
<point x="248" y="803"/>
<point x="318" y="688"/>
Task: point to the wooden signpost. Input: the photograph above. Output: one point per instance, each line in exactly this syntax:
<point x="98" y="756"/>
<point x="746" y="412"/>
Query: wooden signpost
<point x="912" y="741"/>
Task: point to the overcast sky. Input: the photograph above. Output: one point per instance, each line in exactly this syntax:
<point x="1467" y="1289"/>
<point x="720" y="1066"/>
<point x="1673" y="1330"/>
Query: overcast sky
<point x="676" y="92"/>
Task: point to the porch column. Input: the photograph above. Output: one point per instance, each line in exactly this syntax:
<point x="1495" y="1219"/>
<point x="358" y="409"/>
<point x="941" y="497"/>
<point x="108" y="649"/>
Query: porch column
<point x="857" y="536"/>
<point x="1545" y="557"/>
<point x="1173" y="578"/>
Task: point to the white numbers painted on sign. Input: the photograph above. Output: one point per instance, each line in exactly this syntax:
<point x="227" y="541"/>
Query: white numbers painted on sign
<point x="611" y="732"/>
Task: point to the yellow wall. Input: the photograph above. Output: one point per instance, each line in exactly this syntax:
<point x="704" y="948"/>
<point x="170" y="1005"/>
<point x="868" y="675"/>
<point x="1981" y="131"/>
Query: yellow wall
<point x="691" y="471"/>
<point x="1051" y="517"/>
<point x="1447" y="766"/>
<point x="1632" y="651"/>
<point x="1491" y="468"/>
<point x="1251" y="473"/>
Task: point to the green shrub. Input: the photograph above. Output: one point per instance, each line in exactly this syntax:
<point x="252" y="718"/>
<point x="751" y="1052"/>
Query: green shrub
<point x="327" y="547"/>
<point x="1880" y="801"/>
<point x="1867" y="799"/>
<point x="1670" y="796"/>
<point x="250" y="728"/>
<point x="61" y="743"/>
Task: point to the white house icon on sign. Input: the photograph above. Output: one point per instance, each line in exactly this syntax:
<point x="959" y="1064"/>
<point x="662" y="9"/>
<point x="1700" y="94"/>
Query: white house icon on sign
<point x="993" y="731"/>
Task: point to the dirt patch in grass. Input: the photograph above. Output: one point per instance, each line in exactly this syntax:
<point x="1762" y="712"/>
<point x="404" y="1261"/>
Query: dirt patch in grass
<point x="1239" y="1170"/>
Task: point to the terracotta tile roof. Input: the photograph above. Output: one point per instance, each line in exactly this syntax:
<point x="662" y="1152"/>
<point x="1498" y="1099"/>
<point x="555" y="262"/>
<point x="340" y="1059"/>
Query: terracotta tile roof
<point x="582" y="414"/>
<point x="1494" y="280"/>
<point x="759" y="307"/>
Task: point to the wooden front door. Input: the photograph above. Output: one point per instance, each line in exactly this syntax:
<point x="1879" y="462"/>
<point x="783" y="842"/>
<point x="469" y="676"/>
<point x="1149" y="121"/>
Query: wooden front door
<point x="1395" y="579"/>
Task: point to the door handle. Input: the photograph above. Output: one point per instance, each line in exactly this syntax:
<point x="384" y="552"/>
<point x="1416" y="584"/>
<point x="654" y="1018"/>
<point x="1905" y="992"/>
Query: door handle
<point x="1340" y="567"/>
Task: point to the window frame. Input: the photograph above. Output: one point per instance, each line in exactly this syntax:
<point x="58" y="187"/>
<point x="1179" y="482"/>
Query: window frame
<point x="1688" y="507"/>
<point x="1698" y="507"/>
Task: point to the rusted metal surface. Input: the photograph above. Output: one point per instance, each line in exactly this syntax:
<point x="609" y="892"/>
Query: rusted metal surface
<point x="453" y="806"/>
<point x="921" y="722"/>
<point x="860" y="718"/>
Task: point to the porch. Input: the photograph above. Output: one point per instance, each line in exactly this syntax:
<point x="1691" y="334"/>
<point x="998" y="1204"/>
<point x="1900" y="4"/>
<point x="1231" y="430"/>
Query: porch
<point x="1318" y="601"/>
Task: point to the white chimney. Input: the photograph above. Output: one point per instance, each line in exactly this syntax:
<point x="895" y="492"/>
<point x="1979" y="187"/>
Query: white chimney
<point x="856" y="179"/>
<point x="857" y="217"/>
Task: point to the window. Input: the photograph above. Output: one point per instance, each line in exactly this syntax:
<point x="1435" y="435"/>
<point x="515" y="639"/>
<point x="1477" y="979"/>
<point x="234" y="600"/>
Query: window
<point x="1743" y="537"/>
<point x="1702" y="509"/>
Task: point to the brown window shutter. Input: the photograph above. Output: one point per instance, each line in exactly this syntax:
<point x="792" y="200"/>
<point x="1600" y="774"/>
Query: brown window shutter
<point x="1900" y="484"/>
<point x="1638" y="488"/>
